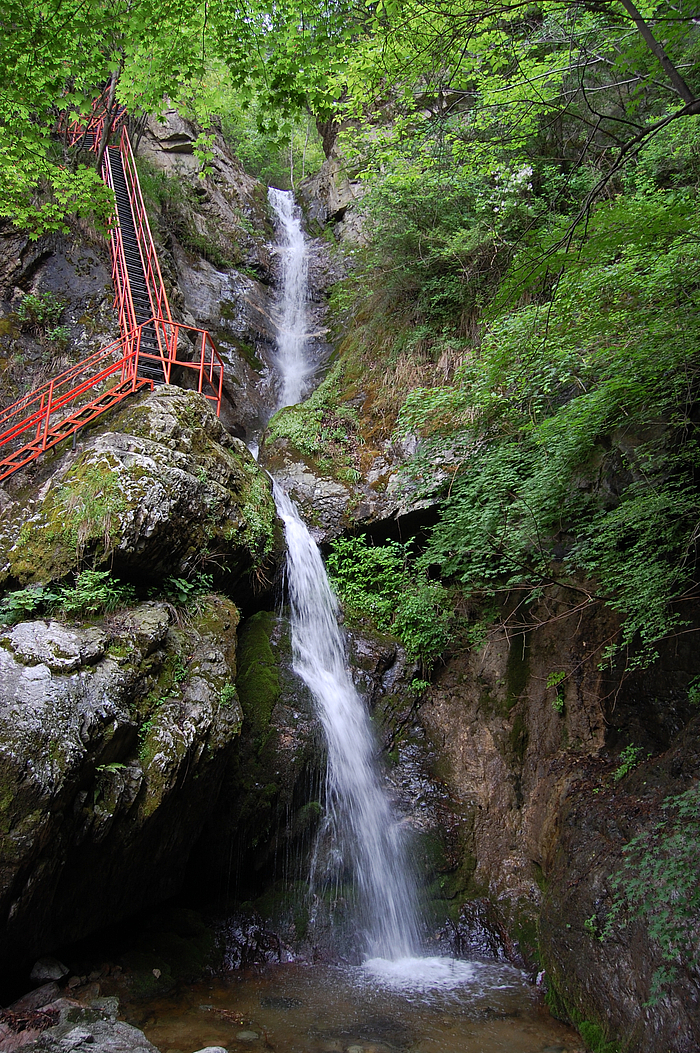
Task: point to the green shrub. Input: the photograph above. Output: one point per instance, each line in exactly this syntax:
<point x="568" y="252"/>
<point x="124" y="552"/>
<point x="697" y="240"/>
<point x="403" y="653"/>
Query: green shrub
<point x="629" y="759"/>
<point x="596" y="384"/>
<point x="27" y="603"/>
<point x="40" y="312"/>
<point x="556" y="680"/>
<point x="180" y="591"/>
<point x="228" y="694"/>
<point x="95" y="592"/>
<point x="658" y="885"/>
<point x="380" y="582"/>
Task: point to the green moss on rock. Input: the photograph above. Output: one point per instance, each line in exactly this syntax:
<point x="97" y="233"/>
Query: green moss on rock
<point x="258" y="680"/>
<point x="594" y="1035"/>
<point x="517" y="670"/>
<point x="150" y="490"/>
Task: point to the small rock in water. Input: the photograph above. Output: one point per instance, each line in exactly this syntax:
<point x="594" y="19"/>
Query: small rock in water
<point x="280" y="1002"/>
<point x="356" y="1049"/>
<point x="247" y="1036"/>
<point x="48" y="969"/>
<point x="206" y="1049"/>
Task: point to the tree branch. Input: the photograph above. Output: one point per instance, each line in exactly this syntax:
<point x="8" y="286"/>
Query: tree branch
<point x="659" y="52"/>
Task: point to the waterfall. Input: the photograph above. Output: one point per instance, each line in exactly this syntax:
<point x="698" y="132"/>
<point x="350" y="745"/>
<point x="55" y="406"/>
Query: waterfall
<point x="291" y="320"/>
<point x="367" y="838"/>
<point x="366" y="832"/>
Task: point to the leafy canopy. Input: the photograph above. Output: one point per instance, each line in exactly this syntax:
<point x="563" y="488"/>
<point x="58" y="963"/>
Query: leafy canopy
<point x="57" y="56"/>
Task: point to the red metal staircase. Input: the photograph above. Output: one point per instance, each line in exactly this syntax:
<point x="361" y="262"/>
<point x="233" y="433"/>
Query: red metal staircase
<point x="152" y="349"/>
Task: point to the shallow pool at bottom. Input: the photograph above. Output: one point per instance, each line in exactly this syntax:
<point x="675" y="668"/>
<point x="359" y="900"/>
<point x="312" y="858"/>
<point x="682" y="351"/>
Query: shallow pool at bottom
<point x="414" y="1006"/>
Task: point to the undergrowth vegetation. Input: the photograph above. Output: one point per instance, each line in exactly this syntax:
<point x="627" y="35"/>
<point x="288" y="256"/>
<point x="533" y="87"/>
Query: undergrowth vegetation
<point x="561" y="443"/>
<point x="380" y="583"/>
<point x="92" y="593"/>
<point x="657" y="886"/>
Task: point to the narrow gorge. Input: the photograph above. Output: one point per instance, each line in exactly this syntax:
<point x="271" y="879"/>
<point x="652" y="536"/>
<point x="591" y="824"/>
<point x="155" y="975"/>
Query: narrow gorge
<point x="349" y="677"/>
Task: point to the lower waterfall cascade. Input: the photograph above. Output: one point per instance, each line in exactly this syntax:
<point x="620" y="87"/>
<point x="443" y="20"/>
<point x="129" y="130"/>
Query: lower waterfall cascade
<point x="359" y="815"/>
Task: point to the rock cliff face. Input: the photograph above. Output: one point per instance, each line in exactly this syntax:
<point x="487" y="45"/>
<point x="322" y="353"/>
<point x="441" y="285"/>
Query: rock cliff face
<point x="76" y="270"/>
<point x="113" y="739"/>
<point x="213" y="236"/>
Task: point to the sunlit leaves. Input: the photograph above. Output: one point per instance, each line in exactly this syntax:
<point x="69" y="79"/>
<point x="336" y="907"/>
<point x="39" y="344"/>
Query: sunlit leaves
<point x="574" y="423"/>
<point x="57" y="55"/>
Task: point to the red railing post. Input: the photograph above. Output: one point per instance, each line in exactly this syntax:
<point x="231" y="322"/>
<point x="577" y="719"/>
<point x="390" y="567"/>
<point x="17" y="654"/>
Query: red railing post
<point x="38" y="423"/>
<point x="48" y="416"/>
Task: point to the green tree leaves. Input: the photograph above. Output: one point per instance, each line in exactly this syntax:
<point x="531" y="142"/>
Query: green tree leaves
<point x="658" y="885"/>
<point x="575" y="426"/>
<point x="381" y="583"/>
<point x="56" y="56"/>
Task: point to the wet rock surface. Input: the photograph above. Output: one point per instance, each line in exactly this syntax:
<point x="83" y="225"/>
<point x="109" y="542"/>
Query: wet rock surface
<point x="93" y="1027"/>
<point x="262" y="829"/>
<point x="330" y="197"/>
<point x="331" y="504"/>
<point x="611" y="979"/>
<point x="113" y="742"/>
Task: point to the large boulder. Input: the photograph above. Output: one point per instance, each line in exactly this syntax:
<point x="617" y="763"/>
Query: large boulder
<point x="113" y="741"/>
<point x="159" y="489"/>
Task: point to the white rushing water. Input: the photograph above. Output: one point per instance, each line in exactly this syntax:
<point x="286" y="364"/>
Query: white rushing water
<point x="366" y="832"/>
<point x="291" y="317"/>
<point x="368" y="843"/>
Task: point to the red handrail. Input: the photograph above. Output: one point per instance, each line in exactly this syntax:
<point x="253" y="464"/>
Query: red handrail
<point x="149" y="256"/>
<point x="38" y="409"/>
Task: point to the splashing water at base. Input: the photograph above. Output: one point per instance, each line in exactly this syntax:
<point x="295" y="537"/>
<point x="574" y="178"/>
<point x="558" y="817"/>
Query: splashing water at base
<point x="291" y="319"/>
<point x="366" y="833"/>
<point x="423" y="974"/>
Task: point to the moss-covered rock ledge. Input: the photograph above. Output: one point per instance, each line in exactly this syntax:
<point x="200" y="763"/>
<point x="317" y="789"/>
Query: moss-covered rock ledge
<point x="157" y="489"/>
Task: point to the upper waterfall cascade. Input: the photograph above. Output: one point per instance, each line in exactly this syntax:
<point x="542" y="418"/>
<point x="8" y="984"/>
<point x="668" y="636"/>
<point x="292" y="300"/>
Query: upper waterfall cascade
<point x="291" y="316"/>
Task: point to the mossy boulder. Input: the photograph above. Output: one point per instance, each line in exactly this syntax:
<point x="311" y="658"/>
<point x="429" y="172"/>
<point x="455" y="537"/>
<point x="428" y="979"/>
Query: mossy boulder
<point x="157" y="489"/>
<point x="114" y="738"/>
